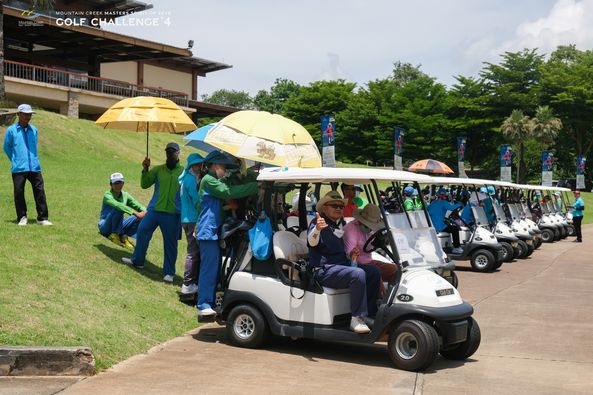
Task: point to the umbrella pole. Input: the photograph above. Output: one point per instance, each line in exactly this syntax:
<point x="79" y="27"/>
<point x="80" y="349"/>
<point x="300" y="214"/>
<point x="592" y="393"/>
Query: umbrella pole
<point x="147" y="139"/>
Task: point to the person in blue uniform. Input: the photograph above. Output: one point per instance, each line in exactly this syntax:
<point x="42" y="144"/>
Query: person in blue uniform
<point x="213" y="191"/>
<point x="438" y="210"/>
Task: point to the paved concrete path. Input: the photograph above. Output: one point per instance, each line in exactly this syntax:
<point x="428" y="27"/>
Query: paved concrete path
<point x="536" y="317"/>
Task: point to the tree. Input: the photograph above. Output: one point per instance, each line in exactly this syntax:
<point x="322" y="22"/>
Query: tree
<point x="517" y="128"/>
<point x="231" y="98"/>
<point x="274" y="100"/>
<point x="544" y="126"/>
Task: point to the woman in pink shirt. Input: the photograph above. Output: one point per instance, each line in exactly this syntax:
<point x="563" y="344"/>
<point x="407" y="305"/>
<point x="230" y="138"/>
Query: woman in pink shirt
<point x="357" y="232"/>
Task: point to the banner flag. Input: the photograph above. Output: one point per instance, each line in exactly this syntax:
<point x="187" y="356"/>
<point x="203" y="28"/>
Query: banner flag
<point x="506" y="161"/>
<point x="461" y="146"/>
<point x="547" y="168"/>
<point x="328" y="140"/>
<point x="398" y="144"/>
<point x="581" y="161"/>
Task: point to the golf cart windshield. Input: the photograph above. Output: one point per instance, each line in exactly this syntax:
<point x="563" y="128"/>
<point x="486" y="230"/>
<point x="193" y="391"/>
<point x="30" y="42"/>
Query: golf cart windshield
<point x="480" y="216"/>
<point x="419" y="247"/>
<point x="551" y="207"/>
<point x="514" y="211"/>
<point x="499" y="211"/>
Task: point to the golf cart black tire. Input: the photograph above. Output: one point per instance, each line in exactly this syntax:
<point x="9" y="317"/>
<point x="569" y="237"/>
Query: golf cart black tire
<point x="571" y="231"/>
<point x="497" y="265"/>
<point x="556" y="234"/>
<point x="524" y="249"/>
<point x="259" y="333"/>
<point x="537" y="242"/>
<point x="489" y="266"/>
<point x="462" y="351"/>
<point x="547" y="235"/>
<point x="530" y="249"/>
<point x="454" y="279"/>
<point x="427" y="341"/>
<point x="509" y="252"/>
<point x="563" y="233"/>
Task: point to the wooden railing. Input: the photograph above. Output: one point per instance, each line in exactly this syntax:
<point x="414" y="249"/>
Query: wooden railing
<point x="88" y="83"/>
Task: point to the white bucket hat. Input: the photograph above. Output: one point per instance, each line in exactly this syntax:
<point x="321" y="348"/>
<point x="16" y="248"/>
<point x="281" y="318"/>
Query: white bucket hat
<point x="370" y="216"/>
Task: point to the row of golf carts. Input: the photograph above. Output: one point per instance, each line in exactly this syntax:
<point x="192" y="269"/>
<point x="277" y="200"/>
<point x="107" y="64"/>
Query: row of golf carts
<point x="421" y="314"/>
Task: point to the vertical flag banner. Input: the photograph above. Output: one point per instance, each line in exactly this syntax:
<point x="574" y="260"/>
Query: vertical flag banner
<point x="547" y="168"/>
<point x="506" y="161"/>
<point x="398" y="144"/>
<point x="581" y="161"/>
<point x="328" y="140"/>
<point x="461" y="141"/>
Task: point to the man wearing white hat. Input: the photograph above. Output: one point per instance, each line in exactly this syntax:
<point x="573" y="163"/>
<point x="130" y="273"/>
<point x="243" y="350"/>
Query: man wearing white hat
<point x="331" y="266"/>
<point x="20" y="145"/>
<point x="116" y="202"/>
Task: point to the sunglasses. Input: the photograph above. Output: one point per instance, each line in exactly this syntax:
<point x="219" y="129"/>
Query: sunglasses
<point x="336" y="206"/>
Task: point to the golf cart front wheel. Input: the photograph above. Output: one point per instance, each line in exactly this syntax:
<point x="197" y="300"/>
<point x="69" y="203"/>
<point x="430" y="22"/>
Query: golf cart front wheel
<point x="483" y="260"/>
<point x="524" y="249"/>
<point x="547" y="236"/>
<point x="570" y="230"/>
<point x="461" y="351"/>
<point x="246" y="326"/>
<point x="413" y="345"/>
<point x="508" y="253"/>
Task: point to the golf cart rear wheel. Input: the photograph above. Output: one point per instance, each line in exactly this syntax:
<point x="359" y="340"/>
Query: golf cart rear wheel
<point x="547" y="236"/>
<point x="556" y="234"/>
<point x="246" y="326"/>
<point x="483" y="260"/>
<point x="570" y="230"/>
<point x="530" y="249"/>
<point x="413" y="345"/>
<point x="466" y="349"/>
<point x="508" y="253"/>
<point x="537" y="242"/>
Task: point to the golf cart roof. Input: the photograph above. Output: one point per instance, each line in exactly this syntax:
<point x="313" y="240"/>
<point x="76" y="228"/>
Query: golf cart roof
<point x="342" y="174"/>
<point x="543" y="188"/>
<point x="468" y="181"/>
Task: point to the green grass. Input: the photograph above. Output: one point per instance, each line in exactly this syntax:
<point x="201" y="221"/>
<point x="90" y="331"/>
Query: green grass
<point x="588" y="198"/>
<point x="64" y="285"/>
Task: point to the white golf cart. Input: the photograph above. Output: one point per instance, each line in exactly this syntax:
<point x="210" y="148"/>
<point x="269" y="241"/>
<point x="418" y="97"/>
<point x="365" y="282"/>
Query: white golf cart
<point x="420" y="316"/>
<point x="478" y="243"/>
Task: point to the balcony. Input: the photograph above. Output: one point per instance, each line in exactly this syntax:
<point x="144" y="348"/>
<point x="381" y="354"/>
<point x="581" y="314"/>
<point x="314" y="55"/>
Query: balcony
<point x="88" y="83"/>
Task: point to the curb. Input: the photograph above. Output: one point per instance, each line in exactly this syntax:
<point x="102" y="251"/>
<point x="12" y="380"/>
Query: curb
<point x="46" y="361"/>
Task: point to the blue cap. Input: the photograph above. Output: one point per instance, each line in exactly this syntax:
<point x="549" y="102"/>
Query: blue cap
<point x="442" y="191"/>
<point x="194" y="159"/>
<point x="483" y="190"/>
<point x="25" y="108"/>
<point x="409" y="191"/>
<point x="217" y="157"/>
<point x="173" y="146"/>
<point x="491" y="190"/>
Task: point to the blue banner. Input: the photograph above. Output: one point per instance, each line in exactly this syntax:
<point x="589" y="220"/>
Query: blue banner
<point x="398" y="140"/>
<point x="328" y="130"/>
<point x="581" y="161"/>
<point x="547" y="161"/>
<point x="461" y="149"/>
<point x="506" y="155"/>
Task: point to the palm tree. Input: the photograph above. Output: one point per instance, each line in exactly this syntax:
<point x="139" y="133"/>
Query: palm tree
<point x="517" y="128"/>
<point x="544" y="126"/>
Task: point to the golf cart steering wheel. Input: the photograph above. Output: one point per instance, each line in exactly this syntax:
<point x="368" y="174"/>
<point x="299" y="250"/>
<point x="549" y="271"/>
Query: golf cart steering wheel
<point x="454" y="214"/>
<point x="377" y="240"/>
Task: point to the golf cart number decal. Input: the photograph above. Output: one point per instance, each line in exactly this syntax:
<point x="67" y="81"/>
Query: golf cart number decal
<point x="444" y="292"/>
<point x="405" y="298"/>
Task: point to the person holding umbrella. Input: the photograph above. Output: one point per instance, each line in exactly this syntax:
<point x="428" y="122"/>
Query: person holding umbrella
<point x="213" y="191"/>
<point x="163" y="211"/>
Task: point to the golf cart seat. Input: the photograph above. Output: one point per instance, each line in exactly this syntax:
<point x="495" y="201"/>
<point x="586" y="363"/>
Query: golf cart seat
<point x="292" y="221"/>
<point x="289" y="246"/>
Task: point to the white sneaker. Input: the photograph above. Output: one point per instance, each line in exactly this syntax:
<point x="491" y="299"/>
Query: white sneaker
<point x="128" y="261"/>
<point x="357" y="325"/>
<point x="457" y="250"/>
<point x="168" y="279"/>
<point x="23" y="221"/>
<point x="189" y="289"/>
<point x="44" y="223"/>
<point x="206" y="313"/>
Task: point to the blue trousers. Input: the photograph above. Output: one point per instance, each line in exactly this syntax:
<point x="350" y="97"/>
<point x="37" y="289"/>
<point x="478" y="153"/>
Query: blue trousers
<point x="115" y="223"/>
<point x="170" y="225"/>
<point x="209" y="270"/>
<point x="362" y="281"/>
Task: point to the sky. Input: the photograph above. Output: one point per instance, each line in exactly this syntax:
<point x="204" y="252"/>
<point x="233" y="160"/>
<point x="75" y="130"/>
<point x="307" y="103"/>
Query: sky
<point x="357" y="40"/>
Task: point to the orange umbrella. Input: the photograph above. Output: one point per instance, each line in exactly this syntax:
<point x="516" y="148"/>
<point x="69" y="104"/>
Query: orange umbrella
<point x="430" y="166"/>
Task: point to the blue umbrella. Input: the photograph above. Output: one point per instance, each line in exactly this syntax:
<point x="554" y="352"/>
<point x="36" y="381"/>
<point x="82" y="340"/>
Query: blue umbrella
<point x="196" y="139"/>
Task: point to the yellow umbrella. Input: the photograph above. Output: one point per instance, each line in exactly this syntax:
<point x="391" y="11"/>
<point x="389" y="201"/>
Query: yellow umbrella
<point x="146" y="113"/>
<point x="263" y="137"/>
